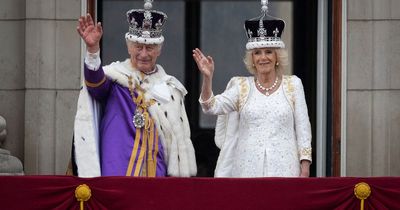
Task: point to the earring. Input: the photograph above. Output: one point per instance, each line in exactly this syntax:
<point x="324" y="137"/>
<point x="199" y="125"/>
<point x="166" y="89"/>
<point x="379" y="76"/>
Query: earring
<point x="277" y="64"/>
<point x="253" y="65"/>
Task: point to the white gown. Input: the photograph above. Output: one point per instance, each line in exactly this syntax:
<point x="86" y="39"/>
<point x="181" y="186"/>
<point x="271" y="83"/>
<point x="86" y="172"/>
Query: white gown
<point x="267" y="144"/>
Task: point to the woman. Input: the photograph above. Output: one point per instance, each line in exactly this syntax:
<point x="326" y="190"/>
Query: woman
<point x="270" y="136"/>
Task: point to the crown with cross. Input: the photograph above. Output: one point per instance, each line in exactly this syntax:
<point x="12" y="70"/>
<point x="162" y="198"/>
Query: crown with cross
<point x="145" y="25"/>
<point x="264" y="31"/>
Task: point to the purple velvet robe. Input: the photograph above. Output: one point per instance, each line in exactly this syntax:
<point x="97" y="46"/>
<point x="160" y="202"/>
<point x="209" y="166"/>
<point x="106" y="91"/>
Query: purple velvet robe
<point x="117" y="132"/>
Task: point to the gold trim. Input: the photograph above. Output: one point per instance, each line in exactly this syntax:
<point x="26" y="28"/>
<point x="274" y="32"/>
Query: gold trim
<point x="306" y="151"/>
<point x="95" y="85"/>
<point x="243" y="91"/>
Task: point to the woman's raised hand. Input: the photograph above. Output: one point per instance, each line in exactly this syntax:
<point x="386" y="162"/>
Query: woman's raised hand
<point x="90" y="32"/>
<point x="205" y="64"/>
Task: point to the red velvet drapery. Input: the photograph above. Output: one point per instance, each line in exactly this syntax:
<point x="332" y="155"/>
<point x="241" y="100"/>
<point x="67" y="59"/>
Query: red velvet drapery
<point x="58" y="192"/>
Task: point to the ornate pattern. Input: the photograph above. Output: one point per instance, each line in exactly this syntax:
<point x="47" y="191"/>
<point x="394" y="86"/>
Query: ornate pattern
<point x="145" y="25"/>
<point x="244" y="90"/>
<point x="259" y="153"/>
<point x="305" y="152"/>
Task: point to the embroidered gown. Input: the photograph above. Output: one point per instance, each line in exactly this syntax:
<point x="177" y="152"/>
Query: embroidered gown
<point x="272" y="136"/>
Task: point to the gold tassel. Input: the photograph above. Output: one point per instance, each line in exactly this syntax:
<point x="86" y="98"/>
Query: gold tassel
<point x="151" y="164"/>
<point x="143" y="167"/>
<point x="82" y="194"/>
<point x="362" y="191"/>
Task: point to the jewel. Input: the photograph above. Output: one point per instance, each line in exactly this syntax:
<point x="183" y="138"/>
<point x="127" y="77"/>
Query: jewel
<point x="138" y="119"/>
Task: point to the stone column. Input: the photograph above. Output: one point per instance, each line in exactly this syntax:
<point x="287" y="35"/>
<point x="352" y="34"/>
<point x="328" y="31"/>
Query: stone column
<point x="52" y="83"/>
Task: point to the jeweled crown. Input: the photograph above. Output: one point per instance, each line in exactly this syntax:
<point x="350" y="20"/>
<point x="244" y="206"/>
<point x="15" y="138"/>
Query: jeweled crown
<point x="264" y="31"/>
<point x="145" y="25"/>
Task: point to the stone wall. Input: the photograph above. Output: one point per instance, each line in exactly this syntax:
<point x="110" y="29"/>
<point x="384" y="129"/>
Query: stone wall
<point x="12" y="68"/>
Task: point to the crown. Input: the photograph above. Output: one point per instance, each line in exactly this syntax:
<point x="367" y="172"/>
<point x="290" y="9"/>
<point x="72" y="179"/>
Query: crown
<point x="145" y="25"/>
<point x="263" y="32"/>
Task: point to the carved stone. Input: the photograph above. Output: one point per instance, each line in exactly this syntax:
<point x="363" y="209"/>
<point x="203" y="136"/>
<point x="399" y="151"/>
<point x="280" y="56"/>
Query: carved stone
<point x="3" y="131"/>
<point x="9" y="165"/>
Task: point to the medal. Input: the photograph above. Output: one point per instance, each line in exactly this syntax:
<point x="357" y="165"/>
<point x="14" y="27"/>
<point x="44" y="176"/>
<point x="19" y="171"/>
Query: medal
<point x="141" y="116"/>
<point x="138" y="119"/>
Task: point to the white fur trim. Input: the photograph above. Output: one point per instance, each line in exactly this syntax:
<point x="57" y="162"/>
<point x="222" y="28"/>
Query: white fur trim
<point x="265" y="44"/>
<point x="144" y="40"/>
<point x="86" y="139"/>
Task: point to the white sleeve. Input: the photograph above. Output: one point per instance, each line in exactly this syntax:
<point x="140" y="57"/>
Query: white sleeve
<point x="302" y="122"/>
<point x="223" y="103"/>
<point x="92" y="60"/>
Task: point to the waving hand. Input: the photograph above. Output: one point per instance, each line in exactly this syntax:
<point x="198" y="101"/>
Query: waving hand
<point x="205" y="64"/>
<point x="206" y="67"/>
<point x="90" y="32"/>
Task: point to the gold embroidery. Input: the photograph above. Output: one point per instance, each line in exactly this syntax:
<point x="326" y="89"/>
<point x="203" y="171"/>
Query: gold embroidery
<point x="243" y="92"/>
<point x="289" y="88"/>
<point x="306" y="152"/>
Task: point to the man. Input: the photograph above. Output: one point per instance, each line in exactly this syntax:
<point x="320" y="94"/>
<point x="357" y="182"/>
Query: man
<point x="143" y="129"/>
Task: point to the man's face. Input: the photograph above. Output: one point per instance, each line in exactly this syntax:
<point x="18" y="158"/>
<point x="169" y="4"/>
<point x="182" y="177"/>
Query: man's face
<point x="143" y="56"/>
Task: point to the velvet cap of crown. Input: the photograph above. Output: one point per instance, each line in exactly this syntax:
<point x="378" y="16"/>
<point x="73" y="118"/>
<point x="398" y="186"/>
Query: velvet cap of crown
<point x="264" y="31"/>
<point x="145" y="25"/>
<point x="267" y="34"/>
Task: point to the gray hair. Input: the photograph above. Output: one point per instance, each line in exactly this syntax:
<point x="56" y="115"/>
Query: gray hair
<point x="281" y="58"/>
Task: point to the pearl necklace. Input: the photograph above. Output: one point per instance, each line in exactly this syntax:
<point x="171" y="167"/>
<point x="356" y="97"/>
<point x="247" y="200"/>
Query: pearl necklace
<point x="269" y="88"/>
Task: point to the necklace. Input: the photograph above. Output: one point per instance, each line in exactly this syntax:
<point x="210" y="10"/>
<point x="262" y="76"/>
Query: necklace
<point x="141" y="117"/>
<point x="267" y="89"/>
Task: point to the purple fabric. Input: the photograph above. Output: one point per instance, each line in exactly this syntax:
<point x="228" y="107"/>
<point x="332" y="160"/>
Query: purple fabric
<point x="117" y="132"/>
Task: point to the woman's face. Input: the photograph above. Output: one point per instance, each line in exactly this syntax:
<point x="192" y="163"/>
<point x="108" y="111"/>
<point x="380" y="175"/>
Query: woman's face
<point x="264" y="60"/>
